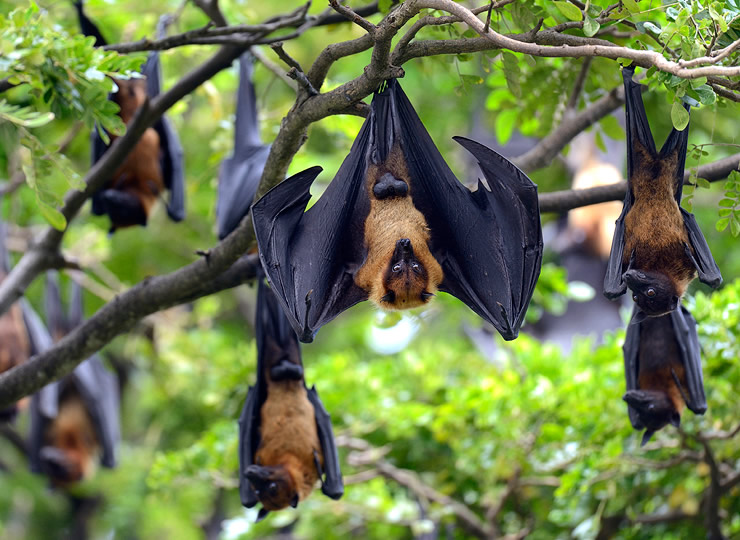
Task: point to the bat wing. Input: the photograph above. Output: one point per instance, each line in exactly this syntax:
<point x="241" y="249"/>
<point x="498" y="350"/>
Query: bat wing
<point x="684" y="327"/>
<point x="88" y="27"/>
<point x="631" y="350"/>
<point x="98" y="389"/>
<point x="310" y="257"/>
<point x="241" y="173"/>
<point x="614" y="285"/>
<point x="171" y="152"/>
<point x="702" y="257"/>
<point x="99" y="148"/>
<point x="488" y="242"/>
<point x="332" y="485"/>
<point x="249" y="422"/>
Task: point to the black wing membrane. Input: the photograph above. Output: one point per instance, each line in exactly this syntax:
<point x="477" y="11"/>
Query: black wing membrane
<point x="88" y="27"/>
<point x="639" y="135"/>
<point x="332" y="484"/>
<point x="631" y="351"/>
<point x="489" y="242"/>
<point x="240" y="174"/>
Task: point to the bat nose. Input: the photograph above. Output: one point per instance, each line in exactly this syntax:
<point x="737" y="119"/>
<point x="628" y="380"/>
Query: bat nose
<point x="403" y="251"/>
<point x="634" y="277"/>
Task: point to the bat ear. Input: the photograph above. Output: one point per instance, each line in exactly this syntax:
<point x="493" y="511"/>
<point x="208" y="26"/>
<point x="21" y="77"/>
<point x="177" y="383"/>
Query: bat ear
<point x="646" y="437"/>
<point x="294" y="501"/>
<point x="389" y="298"/>
<point x="675" y="420"/>
<point x="262" y="514"/>
<point x="426" y="296"/>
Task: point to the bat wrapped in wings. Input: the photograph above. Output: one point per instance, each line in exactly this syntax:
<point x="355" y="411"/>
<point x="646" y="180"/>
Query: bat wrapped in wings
<point x="154" y="164"/>
<point x="18" y="326"/>
<point x="395" y="226"/>
<point x="286" y="442"/>
<point x="658" y="248"/>
<point x="240" y="174"/>
<point x="662" y="366"/>
<point x="75" y="421"/>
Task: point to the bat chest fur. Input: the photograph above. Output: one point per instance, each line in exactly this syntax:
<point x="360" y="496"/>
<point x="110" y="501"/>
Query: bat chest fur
<point x="394" y="217"/>
<point x="141" y="172"/>
<point x="73" y="433"/>
<point x="288" y="433"/>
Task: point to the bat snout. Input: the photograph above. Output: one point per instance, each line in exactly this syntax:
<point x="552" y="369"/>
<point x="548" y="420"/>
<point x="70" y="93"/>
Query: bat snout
<point x="257" y="474"/>
<point x="634" y="278"/>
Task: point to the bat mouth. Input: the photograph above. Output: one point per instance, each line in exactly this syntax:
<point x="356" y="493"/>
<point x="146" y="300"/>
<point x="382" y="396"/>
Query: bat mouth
<point x="55" y="464"/>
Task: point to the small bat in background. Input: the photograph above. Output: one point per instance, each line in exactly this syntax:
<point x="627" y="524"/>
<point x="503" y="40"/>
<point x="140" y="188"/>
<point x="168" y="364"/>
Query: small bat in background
<point x="286" y="442"/>
<point x="154" y="164"/>
<point x="75" y="421"/>
<point x="395" y="226"/>
<point x="662" y="366"/>
<point x="658" y="247"/>
<point x="240" y="174"/>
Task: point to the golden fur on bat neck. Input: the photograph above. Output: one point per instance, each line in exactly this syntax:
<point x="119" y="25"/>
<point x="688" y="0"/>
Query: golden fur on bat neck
<point x="654" y="227"/>
<point x="390" y="220"/>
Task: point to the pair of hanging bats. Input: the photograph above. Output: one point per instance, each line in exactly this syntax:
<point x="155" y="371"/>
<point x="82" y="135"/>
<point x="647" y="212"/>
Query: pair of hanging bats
<point x="154" y="165"/>
<point x="658" y="249"/>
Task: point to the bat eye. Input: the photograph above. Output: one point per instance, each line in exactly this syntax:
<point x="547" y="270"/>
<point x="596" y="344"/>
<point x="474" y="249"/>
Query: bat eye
<point x="651" y="292"/>
<point x="415" y="266"/>
<point x="396" y="267"/>
<point x="634" y="298"/>
<point x="272" y="489"/>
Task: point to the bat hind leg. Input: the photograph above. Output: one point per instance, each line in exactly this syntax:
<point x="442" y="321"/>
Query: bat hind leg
<point x="286" y="370"/>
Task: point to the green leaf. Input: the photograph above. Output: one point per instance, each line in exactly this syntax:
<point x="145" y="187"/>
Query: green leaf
<point x="727" y="202"/>
<point x="724" y="212"/>
<point x="600" y="142"/>
<point x="384" y="6"/>
<point x="55" y="218"/>
<point x="706" y="94"/>
<point x="735" y="227"/>
<point x="722" y="224"/>
<point x="569" y="10"/>
<point x="631" y="6"/>
<point x="703" y="183"/>
<point x="505" y="121"/>
<point x="679" y="116"/>
<point x="590" y="27"/>
<point x="611" y="127"/>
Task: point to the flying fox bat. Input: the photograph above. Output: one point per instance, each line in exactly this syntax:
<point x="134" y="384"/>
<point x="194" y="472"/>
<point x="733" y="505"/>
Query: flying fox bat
<point x="658" y="248"/>
<point x="662" y="365"/>
<point x="16" y="345"/>
<point x="74" y="421"/>
<point x="395" y="226"/>
<point x="240" y="174"/>
<point x="154" y="164"/>
<point x="286" y="442"/>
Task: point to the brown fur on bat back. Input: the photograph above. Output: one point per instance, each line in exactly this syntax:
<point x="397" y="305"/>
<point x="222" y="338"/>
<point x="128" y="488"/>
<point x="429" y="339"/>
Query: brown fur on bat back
<point x="654" y="227"/>
<point x="390" y="220"/>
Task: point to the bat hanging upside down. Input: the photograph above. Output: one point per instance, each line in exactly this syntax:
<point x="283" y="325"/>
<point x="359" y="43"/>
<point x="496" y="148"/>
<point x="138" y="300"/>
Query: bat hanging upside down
<point x="658" y="247"/>
<point x="395" y="226"/>
<point x="138" y="182"/>
<point x="286" y="442"/>
<point x="662" y="365"/>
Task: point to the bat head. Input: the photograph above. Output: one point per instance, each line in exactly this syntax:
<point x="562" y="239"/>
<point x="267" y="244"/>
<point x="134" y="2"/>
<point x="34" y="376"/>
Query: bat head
<point x="654" y="292"/>
<point x="130" y="96"/>
<point x="406" y="279"/>
<point x="274" y="486"/>
<point x="72" y="449"/>
<point x="655" y="409"/>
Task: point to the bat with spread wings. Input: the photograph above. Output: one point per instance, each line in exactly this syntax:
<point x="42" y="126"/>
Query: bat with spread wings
<point x="395" y="226"/>
<point x="658" y="247"/>
<point x="286" y="441"/>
